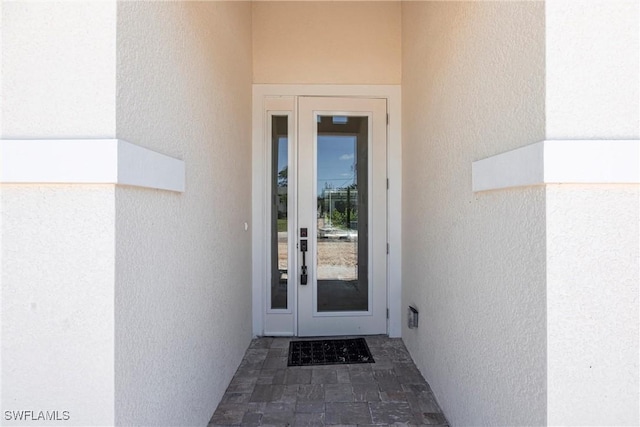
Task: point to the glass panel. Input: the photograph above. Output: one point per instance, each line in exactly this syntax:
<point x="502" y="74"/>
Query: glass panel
<point x="279" y="208"/>
<point x="342" y="215"/>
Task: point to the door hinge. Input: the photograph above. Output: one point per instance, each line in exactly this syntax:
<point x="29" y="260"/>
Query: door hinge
<point x="387" y="248"/>
<point x="387" y="313"/>
<point x="387" y="118"/>
<point x="387" y="183"/>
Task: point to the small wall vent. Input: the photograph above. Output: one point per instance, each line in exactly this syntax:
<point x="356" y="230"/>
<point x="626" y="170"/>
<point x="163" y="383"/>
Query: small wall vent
<point x="412" y="317"/>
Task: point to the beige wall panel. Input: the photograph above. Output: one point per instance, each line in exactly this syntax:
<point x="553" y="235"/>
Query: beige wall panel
<point x="593" y="273"/>
<point x="474" y="263"/>
<point x="327" y="42"/>
<point x="57" y="240"/>
<point x="593" y="69"/>
<point x="58" y="69"/>
<point x="57" y="301"/>
<point x="593" y="236"/>
<point x="183" y="277"/>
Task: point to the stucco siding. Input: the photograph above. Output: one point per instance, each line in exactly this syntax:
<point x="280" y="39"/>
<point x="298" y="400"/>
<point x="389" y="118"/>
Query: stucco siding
<point x="327" y="42"/>
<point x="593" y="64"/>
<point x="593" y="270"/>
<point x="57" y="301"/>
<point x="593" y="231"/>
<point x="58" y="69"/>
<point x="183" y="281"/>
<point x="57" y="240"/>
<point x="474" y="263"/>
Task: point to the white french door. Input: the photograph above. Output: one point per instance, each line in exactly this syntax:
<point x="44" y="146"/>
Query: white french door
<point x="342" y="204"/>
<point x="327" y="222"/>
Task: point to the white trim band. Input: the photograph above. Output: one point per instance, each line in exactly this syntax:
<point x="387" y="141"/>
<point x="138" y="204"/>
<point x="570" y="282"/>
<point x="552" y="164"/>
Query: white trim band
<point x="89" y="161"/>
<point x="560" y="162"/>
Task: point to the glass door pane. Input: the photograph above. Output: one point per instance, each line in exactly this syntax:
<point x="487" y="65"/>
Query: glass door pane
<point x="279" y="212"/>
<point x="342" y="214"/>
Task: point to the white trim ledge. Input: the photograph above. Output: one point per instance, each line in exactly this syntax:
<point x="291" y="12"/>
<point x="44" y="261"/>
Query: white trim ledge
<point x="88" y="161"/>
<point x="560" y="162"/>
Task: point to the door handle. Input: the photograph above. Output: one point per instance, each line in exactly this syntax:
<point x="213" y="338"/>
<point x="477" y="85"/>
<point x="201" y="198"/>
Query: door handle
<point x="303" y="274"/>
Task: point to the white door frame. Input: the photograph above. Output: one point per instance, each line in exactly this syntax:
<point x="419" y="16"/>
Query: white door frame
<point x="260" y="231"/>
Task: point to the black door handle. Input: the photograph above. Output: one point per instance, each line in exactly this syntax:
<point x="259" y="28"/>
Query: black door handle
<point x="303" y="276"/>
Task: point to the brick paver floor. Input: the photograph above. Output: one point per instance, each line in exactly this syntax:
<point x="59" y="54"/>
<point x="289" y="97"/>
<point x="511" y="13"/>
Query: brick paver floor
<point x="389" y="392"/>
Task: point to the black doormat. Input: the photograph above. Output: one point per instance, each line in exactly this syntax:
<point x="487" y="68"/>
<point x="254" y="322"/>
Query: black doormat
<point x="329" y="352"/>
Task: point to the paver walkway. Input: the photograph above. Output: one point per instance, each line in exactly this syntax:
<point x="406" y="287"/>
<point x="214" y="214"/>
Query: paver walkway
<point x="390" y="392"/>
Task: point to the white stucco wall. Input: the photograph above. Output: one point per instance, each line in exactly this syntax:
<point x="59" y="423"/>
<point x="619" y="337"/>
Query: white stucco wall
<point x="327" y="42"/>
<point x="474" y="264"/>
<point x="58" y="69"/>
<point x="593" y="69"/>
<point x="57" y="302"/>
<point x="593" y="273"/>
<point x="183" y="276"/>
<point x="58" y="80"/>
<point x="593" y="236"/>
